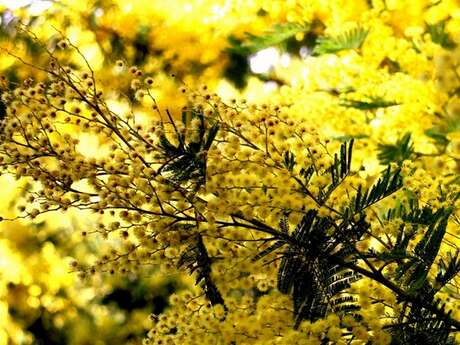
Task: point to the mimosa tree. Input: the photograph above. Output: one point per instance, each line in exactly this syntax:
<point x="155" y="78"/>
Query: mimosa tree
<point x="312" y="217"/>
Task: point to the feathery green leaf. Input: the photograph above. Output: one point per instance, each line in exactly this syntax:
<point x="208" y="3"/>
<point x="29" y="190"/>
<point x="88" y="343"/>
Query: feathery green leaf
<point x="187" y="160"/>
<point x="370" y="103"/>
<point x="397" y="152"/>
<point x="439" y="35"/>
<point x="339" y="169"/>
<point x="387" y="184"/>
<point x="278" y="34"/>
<point x="448" y="268"/>
<point x="351" y="39"/>
<point x="195" y="258"/>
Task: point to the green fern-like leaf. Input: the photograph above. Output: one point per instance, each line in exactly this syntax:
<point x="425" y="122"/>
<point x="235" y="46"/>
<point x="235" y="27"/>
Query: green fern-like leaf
<point x="284" y="228"/>
<point x="306" y="272"/>
<point x="447" y="124"/>
<point x="427" y="250"/>
<point x="413" y="214"/>
<point x="414" y="265"/>
<point x="351" y="39"/>
<point x="439" y="35"/>
<point x="421" y="327"/>
<point x="387" y="184"/>
<point x="289" y="160"/>
<point x="186" y="160"/>
<point x="278" y="34"/>
<point x="448" y="268"/>
<point x="196" y="259"/>
<point x="397" y="152"/>
<point x="348" y="137"/>
<point x="371" y="103"/>
<point x="339" y="169"/>
<point x="437" y="135"/>
<point x="399" y="251"/>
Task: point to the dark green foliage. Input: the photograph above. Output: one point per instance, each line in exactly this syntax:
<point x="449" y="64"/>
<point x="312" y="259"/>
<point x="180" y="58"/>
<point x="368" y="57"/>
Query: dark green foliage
<point x="448" y="268"/>
<point x="419" y="324"/>
<point x="372" y="103"/>
<point x="289" y="160"/>
<point x="187" y="160"/>
<point x="439" y="35"/>
<point x="284" y="223"/>
<point x="308" y="272"/>
<point x="421" y="328"/>
<point x="45" y="332"/>
<point x="2" y="110"/>
<point x="398" y="249"/>
<point x="320" y="258"/>
<point x="284" y="228"/>
<point x="387" y="184"/>
<point x="397" y="152"/>
<point x="349" y="137"/>
<point x="447" y="124"/>
<point x="278" y="34"/>
<point x="351" y="39"/>
<point x="414" y="271"/>
<point x="141" y="45"/>
<point x="137" y="294"/>
<point x="269" y="250"/>
<point x="437" y="136"/>
<point x="307" y="173"/>
<point x="339" y="169"/>
<point x="413" y="214"/>
<point x="195" y="258"/>
<point x="237" y="67"/>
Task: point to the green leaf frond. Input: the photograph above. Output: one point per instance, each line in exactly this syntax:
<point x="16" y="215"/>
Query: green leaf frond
<point x="195" y="258"/>
<point x="351" y="39"/>
<point x="284" y="228"/>
<point x="336" y="172"/>
<point x="439" y="35"/>
<point x="339" y="169"/>
<point x="437" y="135"/>
<point x="278" y="34"/>
<point x="387" y="184"/>
<point x="415" y="264"/>
<point x="412" y="213"/>
<point x="289" y="160"/>
<point x="397" y="152"/>
<point x="421" y="327"/>
<point x="369" y="103"/>
<point x="186" y="160"/>
<point x="448" y="268"/>
<point x="307" y="271"/>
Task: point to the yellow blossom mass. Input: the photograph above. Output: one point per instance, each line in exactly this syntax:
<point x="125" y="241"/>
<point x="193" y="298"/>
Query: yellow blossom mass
<point x="230" y="172"/>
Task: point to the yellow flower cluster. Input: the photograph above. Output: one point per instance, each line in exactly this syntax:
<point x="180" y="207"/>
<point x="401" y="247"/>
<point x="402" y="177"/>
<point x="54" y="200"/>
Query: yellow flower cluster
<point x="224" y="188"/>
<point x="42" y="301"/>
